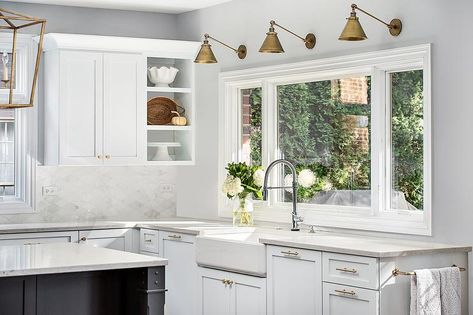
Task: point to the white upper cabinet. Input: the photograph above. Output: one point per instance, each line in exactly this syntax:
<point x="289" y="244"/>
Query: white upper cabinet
<point x="95" y="101"/>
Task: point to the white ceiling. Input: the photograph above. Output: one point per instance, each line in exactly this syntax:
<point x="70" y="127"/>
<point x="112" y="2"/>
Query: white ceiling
<point x="164" y="6"/>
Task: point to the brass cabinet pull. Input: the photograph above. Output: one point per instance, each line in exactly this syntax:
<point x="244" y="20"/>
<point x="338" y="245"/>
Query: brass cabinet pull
<point x="83" y="239"/>
<point x="226" y="281"/>
<point x="347" y="270"/>
<point x="174" y="236"/>
<point x="108" y="156"/>
<point x="99" y="157"/>
<point x="290" y="253"/>
<point x="352" y="293"/>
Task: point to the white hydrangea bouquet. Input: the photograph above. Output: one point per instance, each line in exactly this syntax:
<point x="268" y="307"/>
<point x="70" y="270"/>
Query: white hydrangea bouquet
<point x="243" y="183"/>
<point x="309" y="184"/>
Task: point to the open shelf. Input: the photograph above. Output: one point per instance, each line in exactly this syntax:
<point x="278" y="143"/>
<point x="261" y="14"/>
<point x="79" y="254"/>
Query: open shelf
<point x="168" y="89"/>
<point x="162" y="140"/>
<point x="169" y="127"/>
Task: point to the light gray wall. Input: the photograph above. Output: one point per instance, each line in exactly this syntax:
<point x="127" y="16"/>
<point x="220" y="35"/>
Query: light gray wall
<point x="424" y="21"/>
<point x="75" y="20"/>
<point x="91" y="193"/>
<point x="442" y="23"/>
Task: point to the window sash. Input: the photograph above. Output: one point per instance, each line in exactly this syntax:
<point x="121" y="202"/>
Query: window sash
<point x="377" y="65"/>
<point x="26" y="124"/>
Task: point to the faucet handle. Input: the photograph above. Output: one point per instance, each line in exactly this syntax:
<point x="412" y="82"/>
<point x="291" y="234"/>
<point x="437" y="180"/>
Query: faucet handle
<point x="298" y="218"/>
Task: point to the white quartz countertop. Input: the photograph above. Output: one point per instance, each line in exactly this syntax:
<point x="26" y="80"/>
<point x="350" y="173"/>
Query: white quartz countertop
<point x="363" y="246"/>
<point x="62" y="226"/>
<point x="21" y="260"/>
<point x="177" y="224"/>
<point x="323" y="241"/>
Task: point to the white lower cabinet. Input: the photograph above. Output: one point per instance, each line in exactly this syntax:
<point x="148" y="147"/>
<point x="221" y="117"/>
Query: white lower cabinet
<point x="227" y="293"/>
<point x="340" y="300"/>
<point x="181" y="272"/>
<point x="120" y="239"/>
<point x="294" y="281"/>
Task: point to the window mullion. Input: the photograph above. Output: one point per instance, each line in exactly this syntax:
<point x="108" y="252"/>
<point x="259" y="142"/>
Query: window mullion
<point x="270" y="132"/>
<point x="377" y="142"/>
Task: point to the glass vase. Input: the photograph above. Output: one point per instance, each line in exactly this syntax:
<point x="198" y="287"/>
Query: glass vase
<point x="243" y="211"/>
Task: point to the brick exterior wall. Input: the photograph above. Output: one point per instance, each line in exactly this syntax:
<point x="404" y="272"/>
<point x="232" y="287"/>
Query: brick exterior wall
<point x="246" y="125"/>
<point x="353" y="90"/>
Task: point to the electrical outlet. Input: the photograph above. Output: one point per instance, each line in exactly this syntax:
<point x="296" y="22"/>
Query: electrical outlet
<point x="49" y="191"/>
<point x="166" y="188"/>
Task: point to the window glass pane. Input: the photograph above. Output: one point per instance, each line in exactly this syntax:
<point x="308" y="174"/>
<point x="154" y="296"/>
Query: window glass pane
<point x="7" y="152"/>
<point x="407" y="131"/>
<point x="324" y="126"/>
<point x="251" y="126"/>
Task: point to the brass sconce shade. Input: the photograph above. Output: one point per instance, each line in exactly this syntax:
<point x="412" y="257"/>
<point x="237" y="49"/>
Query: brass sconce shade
<point x="354" y="32"/>
<point x="13" y="22"/>
<point x="206" y="54"/>
<point x="272" y="44"/>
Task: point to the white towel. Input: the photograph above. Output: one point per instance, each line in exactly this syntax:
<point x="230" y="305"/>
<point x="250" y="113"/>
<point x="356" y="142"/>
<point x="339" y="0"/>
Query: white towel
<point x="450" y="290"/>
<point x="436" y="292"/>
<point x="426" y="287"/>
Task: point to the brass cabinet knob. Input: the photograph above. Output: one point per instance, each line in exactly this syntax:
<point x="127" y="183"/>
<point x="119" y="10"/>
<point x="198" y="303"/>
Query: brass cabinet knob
<point x="83" y="239"/>
<point x="108" y="156"/>
<point x="99" y="157"/>
<point x="227" y="282"/>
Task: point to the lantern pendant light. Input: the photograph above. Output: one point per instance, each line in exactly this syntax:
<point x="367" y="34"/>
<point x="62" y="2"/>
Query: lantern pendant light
<point x="14" y="22"/>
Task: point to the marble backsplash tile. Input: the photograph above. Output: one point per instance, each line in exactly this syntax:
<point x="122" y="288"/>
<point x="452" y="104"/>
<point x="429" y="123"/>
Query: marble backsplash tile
<point x="88" y="193"/>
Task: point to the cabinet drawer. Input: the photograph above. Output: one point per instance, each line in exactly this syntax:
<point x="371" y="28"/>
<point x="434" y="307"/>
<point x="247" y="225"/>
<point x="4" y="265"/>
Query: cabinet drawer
<point x="341" y="300"/>
<point x="149" y="241"/>
<point x="351" y="270"/>
<point x="176" y="237"/>
<point x="38" y="238"/>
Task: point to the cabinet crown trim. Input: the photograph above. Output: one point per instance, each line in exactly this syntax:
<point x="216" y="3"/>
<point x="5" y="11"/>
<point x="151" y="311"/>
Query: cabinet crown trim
<point x="53" y="41"/>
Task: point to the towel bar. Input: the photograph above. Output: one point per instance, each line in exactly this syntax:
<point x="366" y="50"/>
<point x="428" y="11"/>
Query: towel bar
<point x="397" y="272"/>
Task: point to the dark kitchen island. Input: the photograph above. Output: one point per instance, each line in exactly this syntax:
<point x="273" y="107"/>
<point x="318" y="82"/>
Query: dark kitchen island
<point x="78" y="279"/>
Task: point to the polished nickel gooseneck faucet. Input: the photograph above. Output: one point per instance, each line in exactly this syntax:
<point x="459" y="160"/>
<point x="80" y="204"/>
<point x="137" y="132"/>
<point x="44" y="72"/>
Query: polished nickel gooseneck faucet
<point x="296" y="219"/>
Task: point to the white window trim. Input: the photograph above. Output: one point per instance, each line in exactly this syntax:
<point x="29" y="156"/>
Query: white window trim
<point x="26" y="127"/>
<point x="375" y="63"/>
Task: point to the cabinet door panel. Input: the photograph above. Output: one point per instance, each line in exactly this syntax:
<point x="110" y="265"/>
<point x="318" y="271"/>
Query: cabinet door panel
<point x="119" y="239"/>
<point x="294" y="281"/>
<point x="248" y="295"/>
<point x="81" y="108"/>
<point x="112" y="243"/>
<point x="215" y="296"/>
<point x="180" y="274"/>
<point x="341" y="300"/>
<point x="123" y="108"/>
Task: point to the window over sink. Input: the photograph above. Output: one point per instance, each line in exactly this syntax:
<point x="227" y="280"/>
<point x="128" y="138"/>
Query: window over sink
<point x="358" y="126"/>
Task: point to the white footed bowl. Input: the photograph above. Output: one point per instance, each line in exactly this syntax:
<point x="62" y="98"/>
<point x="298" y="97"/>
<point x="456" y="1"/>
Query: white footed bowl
<point x="162" y="76"/>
